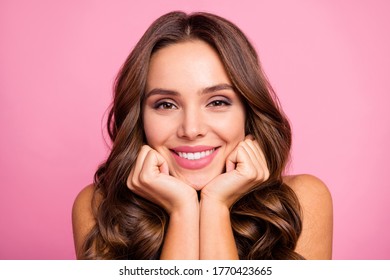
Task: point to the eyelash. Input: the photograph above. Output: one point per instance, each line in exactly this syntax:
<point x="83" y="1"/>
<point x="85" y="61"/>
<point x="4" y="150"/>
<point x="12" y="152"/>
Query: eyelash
<point x="221" y="103"/>
<point x="165" y="105"/>
<point x="162" y="105"/>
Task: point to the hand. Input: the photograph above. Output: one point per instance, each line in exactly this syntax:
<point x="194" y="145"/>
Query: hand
<point x="245" y="167"/>
<point x="150" y="179"/>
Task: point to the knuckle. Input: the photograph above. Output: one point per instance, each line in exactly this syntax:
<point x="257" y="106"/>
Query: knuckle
<point x="264" y="175"/>
<point x="129" y="181"/>
<point x="144" y="147"/>
<point x="251" y="173"/>
<point x="144" y="179"/>
<point x="144" y="150"/>
<point x="134" y="182"/>
<point x="267" y="174"/>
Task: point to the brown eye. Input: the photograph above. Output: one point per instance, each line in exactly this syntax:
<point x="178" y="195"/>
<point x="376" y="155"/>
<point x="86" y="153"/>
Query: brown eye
<point x="165" y="105"/>
<point x="219" y="103"/>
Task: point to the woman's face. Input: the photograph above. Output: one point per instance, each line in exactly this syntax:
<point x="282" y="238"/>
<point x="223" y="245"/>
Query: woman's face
<point x="192" y="116"/>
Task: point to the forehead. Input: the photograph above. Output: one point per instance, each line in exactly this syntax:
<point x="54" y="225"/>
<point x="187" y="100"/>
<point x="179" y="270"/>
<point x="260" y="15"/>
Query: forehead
<point x="186" y="63"/>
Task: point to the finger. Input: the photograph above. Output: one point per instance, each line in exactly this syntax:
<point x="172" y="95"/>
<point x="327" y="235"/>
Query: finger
<point x="249" y="146"/>
<point x="231" y="160"/>
<point x="262" y="158"/>
<point x="255" y="144"/>
<point x="154" y="164"/>
<point x="258" y="158"/>
<point x="134" y="174"/>
<point x="240" y="159"/>
<point x="234" y="158"/>
<point x="162" y="163"/>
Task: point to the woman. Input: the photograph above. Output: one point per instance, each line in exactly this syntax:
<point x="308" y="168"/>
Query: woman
<point x="199" y="149"/>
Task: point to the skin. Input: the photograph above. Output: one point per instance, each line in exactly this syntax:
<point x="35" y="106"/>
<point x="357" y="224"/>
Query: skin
<point x="196" y="106"/>
<point x="189" y="95"/>
<point x="190" y="102"/>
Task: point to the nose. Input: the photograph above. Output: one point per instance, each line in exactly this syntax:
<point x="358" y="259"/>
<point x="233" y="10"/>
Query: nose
<point x="192" y="124"/>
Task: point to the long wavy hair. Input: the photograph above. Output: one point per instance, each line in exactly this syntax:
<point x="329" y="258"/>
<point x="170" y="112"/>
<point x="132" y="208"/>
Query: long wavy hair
<point x="266" y="222"/>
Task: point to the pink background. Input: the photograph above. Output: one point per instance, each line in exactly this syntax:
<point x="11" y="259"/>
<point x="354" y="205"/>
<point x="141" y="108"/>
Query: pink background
<point x="328" y="61"/>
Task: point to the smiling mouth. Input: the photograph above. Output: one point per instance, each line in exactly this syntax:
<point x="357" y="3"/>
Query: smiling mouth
<point x="195" y="156"/>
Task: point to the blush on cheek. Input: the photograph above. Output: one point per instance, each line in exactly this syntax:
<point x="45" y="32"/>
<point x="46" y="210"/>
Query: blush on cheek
<point x="151" y="130"/>
<point x="158" y="128"/>
<point x="233" y="127"/>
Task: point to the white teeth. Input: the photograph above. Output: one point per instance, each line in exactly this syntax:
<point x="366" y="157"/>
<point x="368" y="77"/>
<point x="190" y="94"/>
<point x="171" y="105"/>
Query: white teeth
<point x="195" y="156"/>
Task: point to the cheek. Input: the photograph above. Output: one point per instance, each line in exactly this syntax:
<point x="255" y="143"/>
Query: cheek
<point x="231" y="128"/>
<point x="237" y="135"/>
<point x="157" y="129"/>
<point x="151" y="130"/>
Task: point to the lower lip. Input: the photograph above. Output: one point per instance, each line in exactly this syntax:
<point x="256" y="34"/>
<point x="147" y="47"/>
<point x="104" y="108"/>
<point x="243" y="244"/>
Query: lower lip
<point x="196" y="163"/>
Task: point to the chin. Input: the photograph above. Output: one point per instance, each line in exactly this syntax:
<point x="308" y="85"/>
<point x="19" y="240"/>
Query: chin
<point x="197" y="182"/>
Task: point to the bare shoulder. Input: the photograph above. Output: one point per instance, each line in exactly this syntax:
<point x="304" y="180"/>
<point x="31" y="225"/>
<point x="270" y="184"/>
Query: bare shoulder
<point x="315" y="199"/>
<point x="307" y="186"/>
<point x="82" y="216"/>
<point x="83" y="202"/>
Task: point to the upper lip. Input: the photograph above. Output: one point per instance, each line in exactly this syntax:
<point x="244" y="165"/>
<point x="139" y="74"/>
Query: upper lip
<point x="192" y="149"/>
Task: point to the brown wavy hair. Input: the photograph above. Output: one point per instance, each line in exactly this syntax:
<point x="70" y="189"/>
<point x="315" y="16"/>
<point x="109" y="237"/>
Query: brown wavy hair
<point x="266" y="222"/>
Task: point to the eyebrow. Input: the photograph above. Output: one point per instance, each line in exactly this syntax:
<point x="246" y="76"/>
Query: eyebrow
<point x="206" y="90"/>
<point x="217" y="88"/>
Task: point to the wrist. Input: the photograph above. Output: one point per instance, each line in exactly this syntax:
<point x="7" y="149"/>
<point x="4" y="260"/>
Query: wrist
<point x="188" y="207"/>
<point x="213" y="205"/>
<point x="214" y="201"/>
